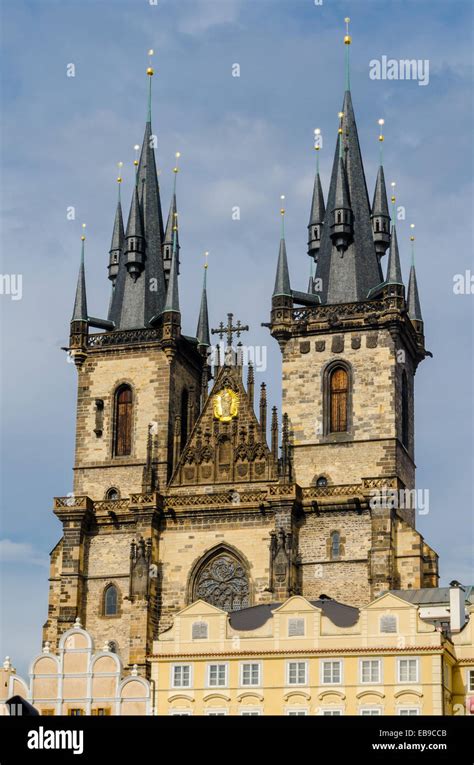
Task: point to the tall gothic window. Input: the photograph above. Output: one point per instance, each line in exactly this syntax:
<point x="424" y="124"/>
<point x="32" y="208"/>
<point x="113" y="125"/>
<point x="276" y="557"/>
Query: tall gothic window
<point x="405" y="417"/>
<point x="184" y="417"/>
<point x="335" y="545"/>
<point x="338" y="400"/>
<point x="123" y="421"/>
<point x="111" y="601"/>
<point x="223" y="582"/>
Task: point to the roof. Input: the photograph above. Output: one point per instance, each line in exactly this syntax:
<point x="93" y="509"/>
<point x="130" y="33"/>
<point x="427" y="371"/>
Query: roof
<point x="254" y="617"/>
<point x="430" y="596"/>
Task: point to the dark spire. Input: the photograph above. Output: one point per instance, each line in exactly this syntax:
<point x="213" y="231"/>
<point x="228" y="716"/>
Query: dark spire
<point x="117" y="270"/>
<point x="282" y="279"/>
<point x="202" y="332"/>
<point x="341" y="213"/>
<point x="80" y="303"/>
<point x="168" y="240"/>
<point x="348" y="278"/>
<point x="316" y="218"/>
<point x="172" y="295"/>
<point x="144" y="295"/>
<point x="380" y="215"/>
<point x="394" y="271"/>
<point x="134" y="240"/>
<point x="413" y="298"/>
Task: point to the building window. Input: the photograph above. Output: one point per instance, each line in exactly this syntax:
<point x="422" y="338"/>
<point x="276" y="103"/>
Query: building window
<point x="180" y="713"/>
<point x="331" y="672"/>
<point x="199" y="631"/>
<point x="181" y="676"/>
<point x="217" y="712"/>
<point x="112" y="494"/>
<point x="411" y="711"/>
<point x="370" y="671"/>
<point x="405" y="413"/>
<point x="217" y="675"/>
<point x="322" y="481"/>
<point x="123" y="421"/>
<point x="75" y="712"/>
<point x="251" y="713"/>
<point x="295" y="627"/>
<point x="470" y="680"/>
<point x="184" y="418"/>
<point x="223" y="582"/>
<point x="47" y="712"/>
<point x="250" y="673"/>
<point x="111" y="600"/>
<point x="297" y="713"/>
<point x="332" y="712"/>
<point x="388" y="624"/>
<point x="297" y="672"/>
<point x="407" y="670"/>
<point x="101" y="712"/>
<point x="371" y="712"/>
<point x="338" y="400"/>
<point x="335" y="545"/>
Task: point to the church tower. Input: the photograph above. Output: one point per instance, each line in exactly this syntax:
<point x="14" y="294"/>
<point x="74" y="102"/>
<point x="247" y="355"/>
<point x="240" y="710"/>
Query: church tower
<point x="184" y="488"/>
<point x="350" y="350"/>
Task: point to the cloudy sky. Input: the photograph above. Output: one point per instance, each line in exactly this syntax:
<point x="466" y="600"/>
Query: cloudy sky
<point x="244" y="141"/>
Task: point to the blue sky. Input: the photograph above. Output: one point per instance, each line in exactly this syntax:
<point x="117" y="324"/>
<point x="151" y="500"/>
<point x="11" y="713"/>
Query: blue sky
<point x="244" y="141"/>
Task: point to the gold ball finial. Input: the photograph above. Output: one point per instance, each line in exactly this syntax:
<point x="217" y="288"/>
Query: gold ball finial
<point x="83" y="237"/>
<point x="412" y="237"/>
<point x="119" y="165"/>
<point x="150" y="72"/>
<point x="206" y="255"/>
<point x="347" y="37"/>
<point x="136" y="148"/>
<point x="282" y="209"/>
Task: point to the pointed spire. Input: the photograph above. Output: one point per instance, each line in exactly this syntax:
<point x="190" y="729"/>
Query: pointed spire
<point x="394" y="271"/>
<point x="202" y="332"/>
<point x="172" y="295"/>
<point x="282" y="279"/>
<point x="380" y="215"/>
<point x="117" y="243"/>
<point x="318" y="210"/>
<point x="134" y="240"/>
<point x="380" y="203"/>
<point x="413" y="298"/>
<point x="341" y="213"/>
<point x="80" y="303"/>
<point x="168" y="237"/>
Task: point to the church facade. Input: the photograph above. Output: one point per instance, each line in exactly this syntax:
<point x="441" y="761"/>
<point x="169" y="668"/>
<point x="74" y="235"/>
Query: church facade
<point x="185" y="487"/>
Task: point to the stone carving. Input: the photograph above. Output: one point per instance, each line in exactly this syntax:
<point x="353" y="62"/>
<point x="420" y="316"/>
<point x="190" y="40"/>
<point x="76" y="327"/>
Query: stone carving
<point x="281" y="553"/>
<point x="140" y="553"/>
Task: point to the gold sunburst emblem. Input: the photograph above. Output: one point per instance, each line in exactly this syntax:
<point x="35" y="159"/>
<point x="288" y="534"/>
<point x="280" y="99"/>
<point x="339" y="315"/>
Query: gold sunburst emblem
<point x="226" y="405"/>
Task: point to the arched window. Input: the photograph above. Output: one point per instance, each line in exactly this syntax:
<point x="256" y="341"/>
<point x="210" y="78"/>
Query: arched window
<point x="123" y="421"/>
<point x="338" y="400"/>
<point x="335" y="545"/>
<point x="322" y="481"/>
<point x="111" y="601"/>
<point x="377" y="225"/>
<point x="223" y="582"/>
<point x="112" y="493"/>
<point x="405" y="417"/>
<point x="184" y="418"/>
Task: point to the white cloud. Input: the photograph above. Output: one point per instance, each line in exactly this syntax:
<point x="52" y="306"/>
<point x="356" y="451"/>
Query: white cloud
<point x="21" y="552"/>
<point x="209" y="13"/>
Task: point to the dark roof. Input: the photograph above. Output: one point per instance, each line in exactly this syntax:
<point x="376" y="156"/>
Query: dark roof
<point x="80" y="303"/>
<point x="380" y="204"/>
<point x="413" y="298"/>
<point x="430" y="596"/>
<point x="349" y="278"/>
<point x="318" y="211"/>
<point x="202" y="332"/>
<point x="254" y="617"/>
<point x="394" y="271"/>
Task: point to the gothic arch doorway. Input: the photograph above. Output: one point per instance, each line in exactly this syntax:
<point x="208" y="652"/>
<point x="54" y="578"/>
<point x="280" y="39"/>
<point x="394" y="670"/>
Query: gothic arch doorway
<point x="221" y="578"/>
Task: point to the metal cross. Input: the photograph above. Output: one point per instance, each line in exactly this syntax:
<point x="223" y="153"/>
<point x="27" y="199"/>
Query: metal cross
<point x="229" y="329"/>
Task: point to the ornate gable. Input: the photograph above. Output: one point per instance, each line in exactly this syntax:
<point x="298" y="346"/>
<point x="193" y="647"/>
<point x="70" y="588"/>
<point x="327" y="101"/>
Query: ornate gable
<point x="228" y="443"/>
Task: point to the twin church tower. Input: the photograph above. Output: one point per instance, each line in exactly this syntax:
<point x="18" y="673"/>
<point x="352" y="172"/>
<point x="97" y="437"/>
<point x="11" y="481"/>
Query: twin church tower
<point x="184" y="487"/>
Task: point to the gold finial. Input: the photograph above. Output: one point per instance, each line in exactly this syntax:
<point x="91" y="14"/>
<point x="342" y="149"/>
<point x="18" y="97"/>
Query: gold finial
<point x="176" y="168"/>
<point x="83" y="237"/>
<point x="317" y="139"/>
<point x="136" y="149"/>
<point x="282" y="210"/>
<point x="347" y="37"/>
<point x="119" y="165"/>
<point x="206" y="255"/>
<point x="381" y="123"/>
<point x="412" y="237"/>
<point x="393" y="184"/>
<point x="150" y="72"/>
<point x="341" y="117"/>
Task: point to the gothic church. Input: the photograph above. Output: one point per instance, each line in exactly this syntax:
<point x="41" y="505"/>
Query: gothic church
<point x="184" y="487"/>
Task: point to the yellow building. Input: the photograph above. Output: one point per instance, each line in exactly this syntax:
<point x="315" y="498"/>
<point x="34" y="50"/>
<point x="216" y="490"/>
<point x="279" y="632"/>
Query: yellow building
<point x="314" y="658"/>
